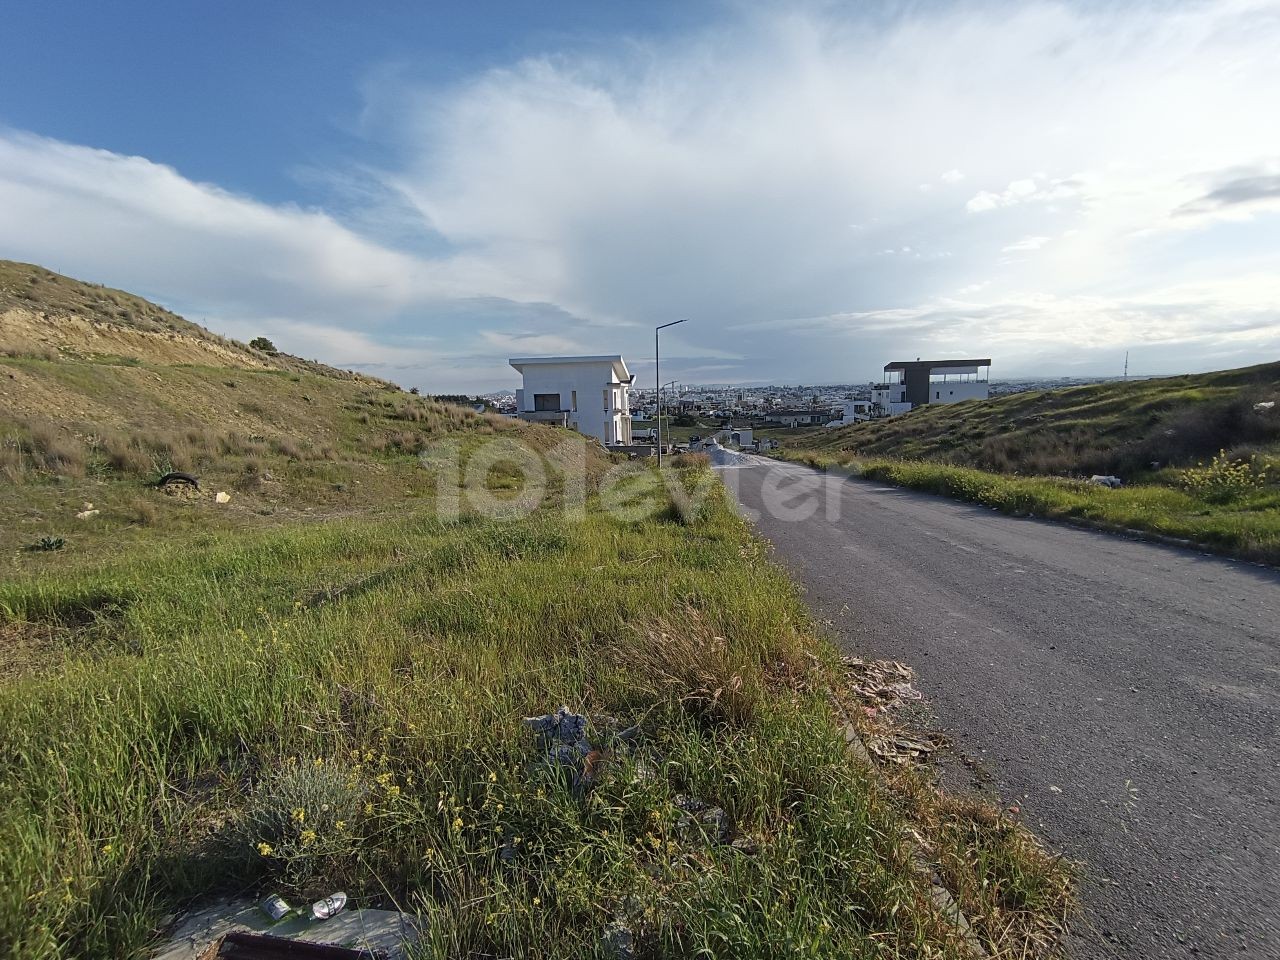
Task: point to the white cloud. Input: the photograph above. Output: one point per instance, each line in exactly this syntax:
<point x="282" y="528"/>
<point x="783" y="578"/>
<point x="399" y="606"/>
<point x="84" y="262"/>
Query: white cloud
<point x="1026" y="243"/>
<point x="1027" y="190"/>
<point x="717" y="176"/>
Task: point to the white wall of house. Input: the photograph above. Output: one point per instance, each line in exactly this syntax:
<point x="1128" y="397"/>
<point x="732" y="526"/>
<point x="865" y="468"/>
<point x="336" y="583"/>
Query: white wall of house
<point x="593" y="392"/>
<point x="890" y="398"/>
<point x="953" y="391"/>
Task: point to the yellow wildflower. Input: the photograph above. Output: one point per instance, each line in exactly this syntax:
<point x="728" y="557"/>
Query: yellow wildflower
<point x="393" y="791"/>
<point x="107" y="848"/>
<point x="299" y="815"/>
<point x="307" y="836"/>
<point x="341" y="825"/>
<point x="537" y="901"/>
<point x="457" y="823"/>
<point x="318" y="762"/>
<point x="368" y="809"/>
<point x="265" y="849"/>
<point x="493" y="777"/>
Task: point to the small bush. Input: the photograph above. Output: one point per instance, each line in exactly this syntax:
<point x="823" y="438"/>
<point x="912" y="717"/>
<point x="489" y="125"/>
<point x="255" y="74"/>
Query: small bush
<point x="1224" y="479"/>
<point x="47" y="544"/>
<point x="143" y="512"/>
<point x="287" y="447"/>
<point x="56" y="453"/>
<point x="305" y="815"/>
<point x="19" y="347"/>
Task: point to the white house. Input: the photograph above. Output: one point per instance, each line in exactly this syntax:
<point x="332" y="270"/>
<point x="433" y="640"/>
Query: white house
<point x="913" y="383"/>
<point x="587" y="394"/>
<point x="853" y="411"/>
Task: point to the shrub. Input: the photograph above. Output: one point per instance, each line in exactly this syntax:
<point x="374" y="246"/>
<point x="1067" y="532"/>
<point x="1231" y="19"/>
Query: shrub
<point x="144" y="512"/>
<point x="56" y="453"/>
<point x="286" y="447"/>
<point x="1224" y="479"/>
<point x="304" y="815"/>
<point x="47" y="544"/>
<point x="21" y="347"/>
<point x="263" y="344"/>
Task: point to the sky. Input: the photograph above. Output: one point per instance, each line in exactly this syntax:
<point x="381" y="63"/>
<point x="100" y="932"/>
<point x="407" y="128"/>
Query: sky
<point x="422" y="191"/>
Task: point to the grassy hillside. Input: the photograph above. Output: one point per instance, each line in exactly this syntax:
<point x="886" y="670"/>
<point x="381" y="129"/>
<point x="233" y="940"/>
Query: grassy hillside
<point x="47" y="316"/>
<point x="1118" y="428"/>
<point x="320" y="685"/>
<point x="1200" y="458"/>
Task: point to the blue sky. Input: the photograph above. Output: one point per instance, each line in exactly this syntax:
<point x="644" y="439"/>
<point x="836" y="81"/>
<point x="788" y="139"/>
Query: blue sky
<point x="424" y="190"/>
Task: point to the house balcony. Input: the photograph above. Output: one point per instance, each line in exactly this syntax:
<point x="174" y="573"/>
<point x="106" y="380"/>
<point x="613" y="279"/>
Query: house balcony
<point x="557" y="418"/>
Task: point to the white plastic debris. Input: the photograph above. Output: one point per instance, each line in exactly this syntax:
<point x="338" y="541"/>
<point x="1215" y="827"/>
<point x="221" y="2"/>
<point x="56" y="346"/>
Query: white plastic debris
<point x="87" y="514"/>
<point x="1265" y="407"/>
<point x="222" y="497"/>
<point x="563" y="738"/>
<point x="1106" y="480"/>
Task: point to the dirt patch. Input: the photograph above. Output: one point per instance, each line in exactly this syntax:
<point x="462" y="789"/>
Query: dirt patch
<point x="28" y="648"/>
<point x="95" y="338"/>
<point x="59" y="628"/>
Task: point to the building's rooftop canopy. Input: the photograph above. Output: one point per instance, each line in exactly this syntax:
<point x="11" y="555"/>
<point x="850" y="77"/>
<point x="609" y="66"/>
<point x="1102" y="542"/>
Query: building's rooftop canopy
<point x="954" y="366"/>
<point x="619" y="366"/>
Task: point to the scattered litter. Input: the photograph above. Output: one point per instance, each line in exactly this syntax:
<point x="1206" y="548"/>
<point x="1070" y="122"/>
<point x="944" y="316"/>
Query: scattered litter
<point x="746" y="846"/>
<point x="1106" y="480"/>
<point x="1265" y="407"/>
<point x="222" y="497"/>
<point x="1053" y="789"/>
<point x="900" y="749"/>
<point x="329" y="906"/>
<point x="618" y="941"/>
<point x="178" y="477"/>
<point x="275" y="907"/>
<point x="711" y="822"/>
<point x="563" y="737"/>
<point x="88" y="513"/>
<point x="881" y="684"/>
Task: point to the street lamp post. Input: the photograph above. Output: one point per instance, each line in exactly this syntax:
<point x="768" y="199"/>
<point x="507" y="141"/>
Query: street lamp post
<point x="671" y="384"/>
<point x="657" y="380"/>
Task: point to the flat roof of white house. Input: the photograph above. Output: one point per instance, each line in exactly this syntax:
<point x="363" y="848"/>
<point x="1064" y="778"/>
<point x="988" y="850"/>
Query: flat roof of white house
<point x="619" y="366"/>
<point x="937" y="364"/>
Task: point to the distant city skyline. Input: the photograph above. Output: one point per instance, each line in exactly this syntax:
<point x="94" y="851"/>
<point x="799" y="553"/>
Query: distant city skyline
<point x="422" y="191"/>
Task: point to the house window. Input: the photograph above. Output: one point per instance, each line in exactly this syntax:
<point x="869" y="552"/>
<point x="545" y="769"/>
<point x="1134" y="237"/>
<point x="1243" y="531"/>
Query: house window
<point x="546" y="402"/>
<point x="573" y="396"/>
<point x="606" y="400"/>
<point x="937" y="395"/>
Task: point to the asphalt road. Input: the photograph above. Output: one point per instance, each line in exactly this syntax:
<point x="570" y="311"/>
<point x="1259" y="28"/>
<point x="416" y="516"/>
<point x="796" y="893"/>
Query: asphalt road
<point x="1126" y="695"/>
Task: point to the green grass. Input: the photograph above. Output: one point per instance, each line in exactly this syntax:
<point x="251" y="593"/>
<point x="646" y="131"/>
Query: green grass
<point x="1247" y="525"/>
<point x="181" y="702"/>
<point x="320" y="685"/>
<point x="1028" y="453"/>
<point x="1114" y="428"/>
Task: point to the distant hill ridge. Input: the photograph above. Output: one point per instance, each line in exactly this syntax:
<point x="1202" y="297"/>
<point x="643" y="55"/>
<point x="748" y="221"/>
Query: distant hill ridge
<point x="1116" y="427"/>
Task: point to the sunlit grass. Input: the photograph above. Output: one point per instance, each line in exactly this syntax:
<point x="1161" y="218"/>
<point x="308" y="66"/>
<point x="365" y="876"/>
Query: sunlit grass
<point x="339" y="706"/>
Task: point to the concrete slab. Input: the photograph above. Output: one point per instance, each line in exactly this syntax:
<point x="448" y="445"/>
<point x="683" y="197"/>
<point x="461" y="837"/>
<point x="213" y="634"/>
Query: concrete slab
<point x="385" y="932"/>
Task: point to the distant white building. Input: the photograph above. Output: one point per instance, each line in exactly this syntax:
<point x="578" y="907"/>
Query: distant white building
<point x="587" y="394"/>
<point x="853" y="411"/>
<point x="914" y="383"/>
